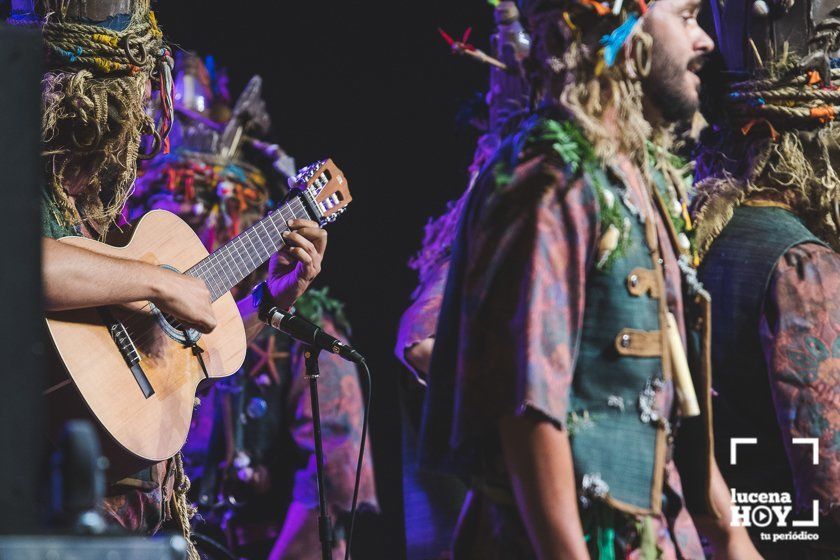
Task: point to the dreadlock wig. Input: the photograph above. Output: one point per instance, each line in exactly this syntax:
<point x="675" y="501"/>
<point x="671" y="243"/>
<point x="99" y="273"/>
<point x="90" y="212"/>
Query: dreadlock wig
<point x="772" y="103"/>
<point x="590" y="59"/>
<point x="101" y="56"/>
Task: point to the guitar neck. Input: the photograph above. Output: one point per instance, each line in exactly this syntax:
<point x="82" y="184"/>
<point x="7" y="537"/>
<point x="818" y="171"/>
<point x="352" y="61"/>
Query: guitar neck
<point x="231" y="263"/>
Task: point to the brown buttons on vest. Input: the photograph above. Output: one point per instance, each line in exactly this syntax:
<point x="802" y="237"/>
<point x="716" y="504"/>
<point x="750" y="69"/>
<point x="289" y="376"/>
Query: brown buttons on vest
<point x="642" y="281"/>
<point x="641" y="344"/>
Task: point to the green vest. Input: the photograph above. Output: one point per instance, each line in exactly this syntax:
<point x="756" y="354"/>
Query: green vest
<point x="618" y="438"/>
<point x="52" y="225"/>
<point x="737" y="271"/>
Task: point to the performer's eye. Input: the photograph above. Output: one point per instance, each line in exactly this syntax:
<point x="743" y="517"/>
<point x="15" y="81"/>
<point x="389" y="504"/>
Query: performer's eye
<point x="690" y="18"/>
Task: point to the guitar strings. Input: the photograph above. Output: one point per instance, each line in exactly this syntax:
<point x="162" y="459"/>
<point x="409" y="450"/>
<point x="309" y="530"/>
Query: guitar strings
<point x="132" y="324"/>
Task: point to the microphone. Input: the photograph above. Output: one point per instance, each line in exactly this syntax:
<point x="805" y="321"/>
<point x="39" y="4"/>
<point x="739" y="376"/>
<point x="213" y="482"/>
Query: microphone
<point x="301" y="329"/>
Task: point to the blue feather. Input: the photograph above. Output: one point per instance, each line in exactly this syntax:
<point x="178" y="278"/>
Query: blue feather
<point x="615" y="40"/>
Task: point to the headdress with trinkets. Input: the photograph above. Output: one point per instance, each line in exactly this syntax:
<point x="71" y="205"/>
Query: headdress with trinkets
<point x="772" y="99"/>
<point x="587" y="57"/>
<point x="206" y="178"/>
<point x="100" y="57"/>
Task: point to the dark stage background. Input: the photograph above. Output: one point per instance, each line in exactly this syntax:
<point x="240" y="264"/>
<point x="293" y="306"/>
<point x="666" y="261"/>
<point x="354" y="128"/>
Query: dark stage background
<point x="373" y="86"/>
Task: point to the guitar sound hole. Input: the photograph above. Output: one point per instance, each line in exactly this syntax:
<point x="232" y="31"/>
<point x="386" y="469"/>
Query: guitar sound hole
<point x="175" y="323"/>
<point x="173" y="328"/>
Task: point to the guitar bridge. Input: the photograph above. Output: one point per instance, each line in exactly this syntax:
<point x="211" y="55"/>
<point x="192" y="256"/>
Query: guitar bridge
<point x="128" y="351"/>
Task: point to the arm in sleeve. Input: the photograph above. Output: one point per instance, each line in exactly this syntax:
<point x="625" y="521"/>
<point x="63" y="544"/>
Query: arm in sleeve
<point x="419" y="321"/>
<point x="800" y="332"/>
<point x="524" y="292"/>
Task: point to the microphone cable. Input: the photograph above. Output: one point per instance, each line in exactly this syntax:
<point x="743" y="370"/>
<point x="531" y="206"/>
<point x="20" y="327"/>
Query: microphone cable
<point x="365" y="416"/>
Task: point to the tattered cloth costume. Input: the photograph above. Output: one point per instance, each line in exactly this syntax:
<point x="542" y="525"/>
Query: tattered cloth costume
<point x="100" y="58"/>
<point x="562" y="273"/>
<point x="768" y="219"/>
<point x="250" y="447"/>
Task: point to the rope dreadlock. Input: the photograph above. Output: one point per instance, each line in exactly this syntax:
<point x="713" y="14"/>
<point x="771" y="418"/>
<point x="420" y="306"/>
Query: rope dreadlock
<point x="779" y="142"/>
<point x="94" y="110"/>
<point x="93" y="102"/>
<point x="184" y="510"/>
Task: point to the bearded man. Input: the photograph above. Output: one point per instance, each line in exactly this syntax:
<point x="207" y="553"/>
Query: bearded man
<point x="552" y="385"/>
<point x="768" y="215"/>
<point x="101" y="57"/>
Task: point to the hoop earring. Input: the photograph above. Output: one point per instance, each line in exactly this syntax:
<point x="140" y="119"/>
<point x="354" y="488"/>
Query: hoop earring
<point x="642" y="54"/>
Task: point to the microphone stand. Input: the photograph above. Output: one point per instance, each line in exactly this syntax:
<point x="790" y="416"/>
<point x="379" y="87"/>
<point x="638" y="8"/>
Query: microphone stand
<point x="324" y="524"/>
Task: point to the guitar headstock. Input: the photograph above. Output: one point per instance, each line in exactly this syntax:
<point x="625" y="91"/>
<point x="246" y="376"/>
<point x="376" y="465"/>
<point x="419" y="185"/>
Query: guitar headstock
<point x="325" y="189"/>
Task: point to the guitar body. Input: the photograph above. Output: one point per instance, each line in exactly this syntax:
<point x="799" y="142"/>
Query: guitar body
<point x="134" y="370"/>
<point x="140" y="428"/>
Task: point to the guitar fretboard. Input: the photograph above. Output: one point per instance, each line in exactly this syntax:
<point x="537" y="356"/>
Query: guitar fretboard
<point x="231" y="263"/>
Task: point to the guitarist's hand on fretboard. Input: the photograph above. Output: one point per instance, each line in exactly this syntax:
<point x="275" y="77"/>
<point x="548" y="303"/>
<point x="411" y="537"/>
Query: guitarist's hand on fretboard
<point x="295" y="266"/>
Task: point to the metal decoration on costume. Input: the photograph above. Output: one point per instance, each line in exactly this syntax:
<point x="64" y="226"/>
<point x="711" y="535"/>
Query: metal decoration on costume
<point x="195" y="130"/>
<point x="648" y="411"/>
<point x="193" y="88"/>
<point x="509" y="96"/>
<point x="88" y="11"/>
<point x="249" y="114"/>
<point x="23" y="13"/>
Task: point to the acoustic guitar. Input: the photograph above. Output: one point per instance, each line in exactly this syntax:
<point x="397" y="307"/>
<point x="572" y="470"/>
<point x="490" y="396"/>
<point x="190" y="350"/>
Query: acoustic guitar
<point x="134" y="369"/>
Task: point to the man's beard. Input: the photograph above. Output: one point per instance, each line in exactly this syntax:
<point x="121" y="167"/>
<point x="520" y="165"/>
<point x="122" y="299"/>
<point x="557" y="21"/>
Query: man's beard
<point x="665" y="87"/>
